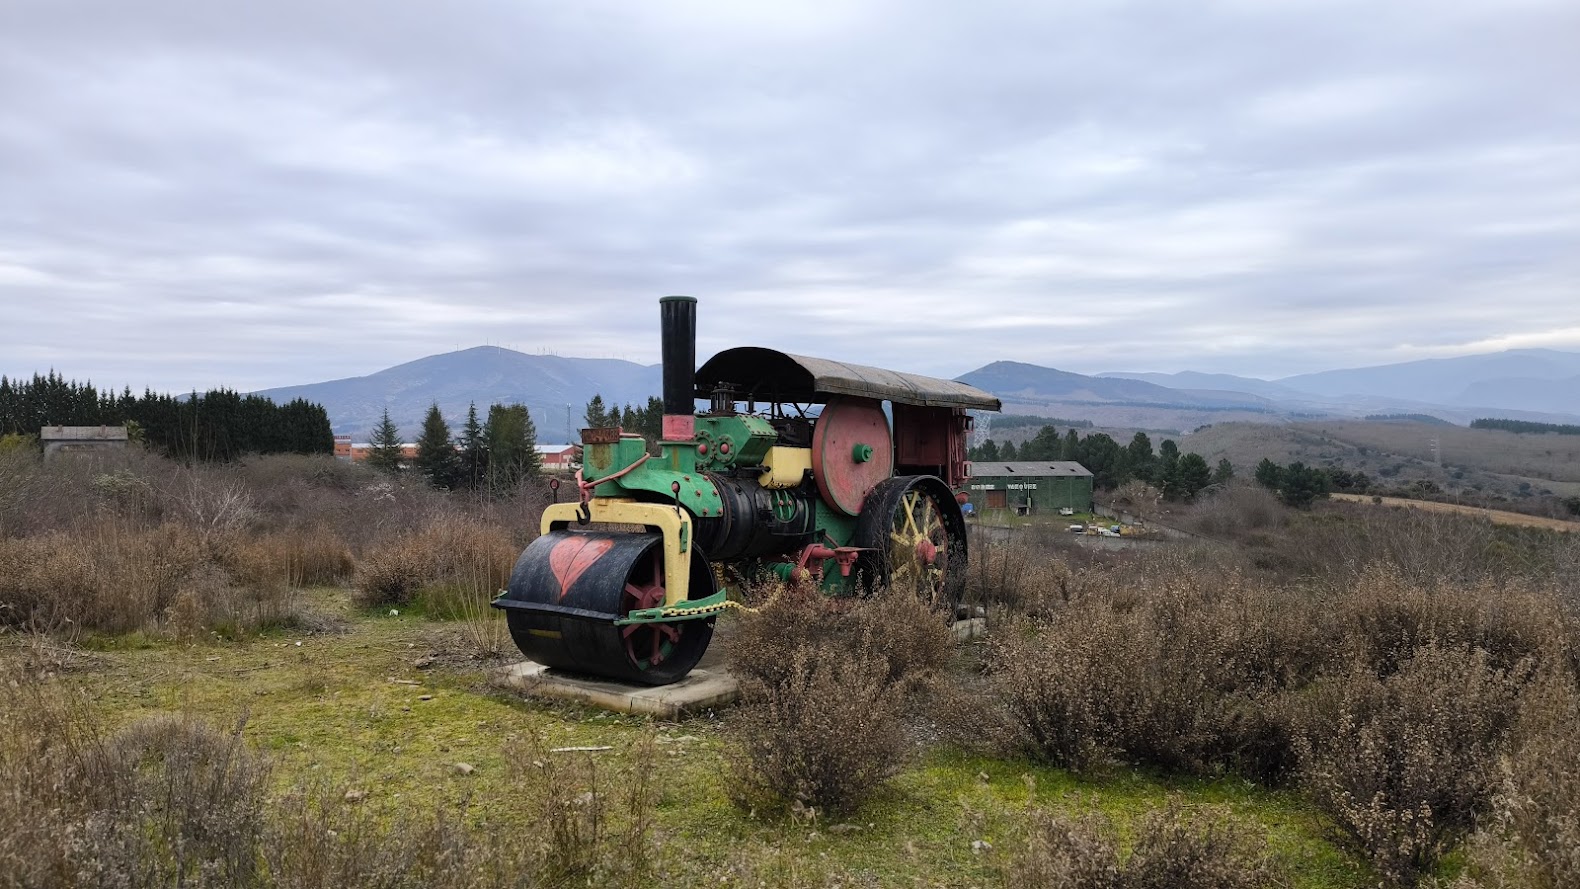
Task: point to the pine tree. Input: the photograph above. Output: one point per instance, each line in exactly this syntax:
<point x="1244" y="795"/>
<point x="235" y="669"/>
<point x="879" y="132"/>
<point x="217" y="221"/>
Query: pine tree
<point x="988" y="452"/>
<point x="1008" y="453"/>
<point x="437" y="459"/>
<point x="1223" y="473"/>
<point x="598" y="416"/>
<point x="385" y="455"/>
<point x="1139" y="459"/>
<point x="1269" y="474"/>
<point x="1189" y="476"/>
<point x="1070" y="448"/>
<point x="474" y="451"/>
<point x="512" y="448"/>
<point x="1300" y="484"/>
<point x="650" y="420"/>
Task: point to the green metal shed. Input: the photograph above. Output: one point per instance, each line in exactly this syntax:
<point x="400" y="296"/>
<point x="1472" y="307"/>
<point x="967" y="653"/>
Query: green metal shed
<point x="1030" y="487"/>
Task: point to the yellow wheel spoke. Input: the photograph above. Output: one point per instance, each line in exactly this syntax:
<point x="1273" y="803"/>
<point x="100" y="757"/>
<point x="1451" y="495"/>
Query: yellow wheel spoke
<point x="910" y="513"/>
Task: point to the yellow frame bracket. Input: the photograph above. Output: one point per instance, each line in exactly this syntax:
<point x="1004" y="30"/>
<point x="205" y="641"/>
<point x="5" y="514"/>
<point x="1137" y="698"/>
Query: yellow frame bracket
<point x="667" y="519"/>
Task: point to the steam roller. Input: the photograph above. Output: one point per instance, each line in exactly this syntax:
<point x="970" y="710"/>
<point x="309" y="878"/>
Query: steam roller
<point x="801" y="469"/>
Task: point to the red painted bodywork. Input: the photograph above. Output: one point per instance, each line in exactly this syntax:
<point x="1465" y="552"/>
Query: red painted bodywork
<point x="931" y="441"/>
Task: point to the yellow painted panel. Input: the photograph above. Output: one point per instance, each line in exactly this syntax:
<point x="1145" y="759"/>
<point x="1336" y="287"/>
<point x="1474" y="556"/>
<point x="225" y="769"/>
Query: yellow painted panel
<point x="785" y="467"/>
<point x="674" y="523"/>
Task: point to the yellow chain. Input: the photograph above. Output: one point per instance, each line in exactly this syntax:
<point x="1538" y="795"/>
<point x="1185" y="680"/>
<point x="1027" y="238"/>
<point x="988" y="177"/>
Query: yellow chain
<point x="722" y="606"/>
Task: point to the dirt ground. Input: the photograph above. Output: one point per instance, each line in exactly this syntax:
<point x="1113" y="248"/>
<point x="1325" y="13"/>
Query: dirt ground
<point x="1495" y="515"/>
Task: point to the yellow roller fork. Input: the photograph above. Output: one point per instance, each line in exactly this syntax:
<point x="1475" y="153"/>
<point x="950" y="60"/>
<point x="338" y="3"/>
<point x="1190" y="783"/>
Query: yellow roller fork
<point x="674" y="523"/>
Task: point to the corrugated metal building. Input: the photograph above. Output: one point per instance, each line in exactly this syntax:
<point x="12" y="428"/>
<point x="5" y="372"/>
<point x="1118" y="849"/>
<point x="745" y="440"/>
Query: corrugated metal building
<point x="1030" y="487"/>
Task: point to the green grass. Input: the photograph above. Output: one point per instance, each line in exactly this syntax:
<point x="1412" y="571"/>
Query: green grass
<point x="348" y="708"/>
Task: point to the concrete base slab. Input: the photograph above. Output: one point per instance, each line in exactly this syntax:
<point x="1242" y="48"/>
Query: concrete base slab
<point x="703" y="689"/>
<point x="966" y="630"/>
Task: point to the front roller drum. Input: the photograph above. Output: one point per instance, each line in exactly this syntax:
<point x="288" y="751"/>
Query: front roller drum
<point x="569" y="587"/>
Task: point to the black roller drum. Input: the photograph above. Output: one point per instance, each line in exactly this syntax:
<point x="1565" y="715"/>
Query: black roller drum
<point x="569" y="587"/>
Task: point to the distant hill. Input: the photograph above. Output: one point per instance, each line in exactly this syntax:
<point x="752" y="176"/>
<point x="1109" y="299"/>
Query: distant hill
<point x="1029" y="383"/>
<point x="1518" y="383"/>
<point x="1528" y="384"/>
<point x="1190" y="379"/>
<point x="485" y="375"/>
<point x="1500" y="379"/>
<point x="1526" y="394"/>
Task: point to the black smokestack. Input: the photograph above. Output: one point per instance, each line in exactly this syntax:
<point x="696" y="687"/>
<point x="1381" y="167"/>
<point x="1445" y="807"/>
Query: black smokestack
<point x="678" y="327"/>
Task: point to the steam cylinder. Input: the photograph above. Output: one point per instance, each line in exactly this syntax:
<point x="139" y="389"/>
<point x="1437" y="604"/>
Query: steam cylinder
<point x="756" y="521"/>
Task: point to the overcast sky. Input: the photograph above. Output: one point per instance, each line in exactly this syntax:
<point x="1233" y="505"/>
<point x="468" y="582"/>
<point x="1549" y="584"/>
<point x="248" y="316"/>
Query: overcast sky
<point x="207" y="193"/>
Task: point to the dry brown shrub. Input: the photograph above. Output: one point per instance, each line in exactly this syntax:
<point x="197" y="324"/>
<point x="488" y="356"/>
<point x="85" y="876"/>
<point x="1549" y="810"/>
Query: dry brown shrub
<point x="453" y="557"/>
<point x="1235" y="513"/>
<point x="112" y="580"/>
<point x="825" y="683"/>
<point x="165" y="801"/>
<point x="297" y="557"/>
<point x="1404" y="764"/>
<point x="1385" y="617"/>
<point x="911" y="640"/>
<point x="1016" y="573"/>
<point x="1532" y="835"/>
<point x="1172" y="850"/>
<point x="825" y="736"/>
<point x="1173" y="668"/>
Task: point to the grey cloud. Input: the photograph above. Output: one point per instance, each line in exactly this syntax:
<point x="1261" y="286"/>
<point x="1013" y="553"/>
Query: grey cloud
<point x="267" y="194"/>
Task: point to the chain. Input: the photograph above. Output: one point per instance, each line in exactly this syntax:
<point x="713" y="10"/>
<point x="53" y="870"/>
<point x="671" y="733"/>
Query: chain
<point x="720" y="608"/>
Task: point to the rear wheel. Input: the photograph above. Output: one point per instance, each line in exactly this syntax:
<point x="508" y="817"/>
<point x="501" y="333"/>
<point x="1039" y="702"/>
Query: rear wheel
<point x="915" y="538"/>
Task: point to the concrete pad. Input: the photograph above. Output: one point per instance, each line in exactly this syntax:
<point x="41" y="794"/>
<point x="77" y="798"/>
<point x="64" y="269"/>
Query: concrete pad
<point x="966" y="630"/>
<point x="703" y="689"/>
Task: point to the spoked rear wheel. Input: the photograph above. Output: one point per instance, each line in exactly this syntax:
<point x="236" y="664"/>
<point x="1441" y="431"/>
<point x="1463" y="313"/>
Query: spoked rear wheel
<point x="916" y="540"/>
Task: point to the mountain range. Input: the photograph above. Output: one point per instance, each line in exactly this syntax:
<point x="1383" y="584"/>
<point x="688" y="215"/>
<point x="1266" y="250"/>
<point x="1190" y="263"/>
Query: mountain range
<point x="1531" y="384"/>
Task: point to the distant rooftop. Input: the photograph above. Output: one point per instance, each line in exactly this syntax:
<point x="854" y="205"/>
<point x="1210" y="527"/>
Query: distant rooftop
<point x="1037" y="468"/>
<point x="82" y="433"/>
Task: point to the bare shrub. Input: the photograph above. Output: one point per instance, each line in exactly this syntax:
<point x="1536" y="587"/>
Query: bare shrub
<point x="210" y="502"/>
<point x="165" y="801"/>
<point x="451" y="556"/>
<point x="73" y="490"/>
<point x="1169" y="667"/>
<point x="1057" y="686"/>
<point x="1404" y="764"/>
<point x="1532" y="835"/>
<point x="595" y="821"/>
<point x="114" y="580"/>
<point x="1385" y="617"/>
<point x="1235" y="512"/>
<point x="1171" y="851"/>
<point x="825" y="683"/>
<point x="825" y="736"/>
<point x="1017" y="574"/>
<point x="910" y="640"/>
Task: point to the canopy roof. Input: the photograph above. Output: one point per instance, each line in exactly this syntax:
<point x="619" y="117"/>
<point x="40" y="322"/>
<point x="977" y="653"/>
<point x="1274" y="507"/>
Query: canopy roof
<point x="769" y="375"/>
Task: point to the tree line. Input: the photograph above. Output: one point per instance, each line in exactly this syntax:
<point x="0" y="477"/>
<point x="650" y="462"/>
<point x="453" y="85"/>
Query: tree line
<point x="1180" y="476"/>
<point x="645" y="420"/>
<point x="495" y="455"/>
<point x="1524" y="426"/>
<point x="216" y="425"/>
